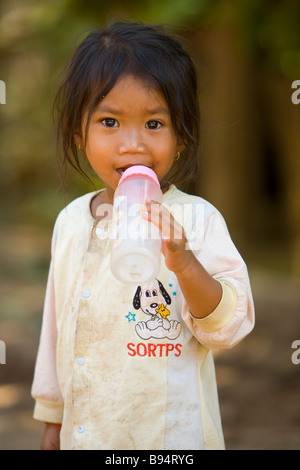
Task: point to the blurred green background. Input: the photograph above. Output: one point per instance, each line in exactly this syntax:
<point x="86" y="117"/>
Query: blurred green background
<point x="247" y="54"/>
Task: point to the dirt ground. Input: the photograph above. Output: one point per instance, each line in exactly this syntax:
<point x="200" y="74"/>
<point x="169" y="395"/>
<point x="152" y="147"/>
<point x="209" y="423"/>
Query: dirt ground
<point x="259" y="385"/>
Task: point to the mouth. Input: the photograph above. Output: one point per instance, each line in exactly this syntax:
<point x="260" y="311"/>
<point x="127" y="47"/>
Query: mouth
<point x="120" y="171"/>
<point x="152" y="314"/>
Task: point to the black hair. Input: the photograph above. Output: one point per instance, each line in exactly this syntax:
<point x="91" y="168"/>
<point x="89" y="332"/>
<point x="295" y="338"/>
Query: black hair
<point x="146" y="52"/>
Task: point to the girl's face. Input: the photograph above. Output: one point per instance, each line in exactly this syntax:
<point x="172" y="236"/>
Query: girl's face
<point x="131" y="126"/>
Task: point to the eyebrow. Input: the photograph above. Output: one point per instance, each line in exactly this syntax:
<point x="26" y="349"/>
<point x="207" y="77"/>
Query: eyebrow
<point x="107" y="109"/>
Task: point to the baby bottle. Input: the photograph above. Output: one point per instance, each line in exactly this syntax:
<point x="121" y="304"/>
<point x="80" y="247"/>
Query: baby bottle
<point x="135" y="252"/>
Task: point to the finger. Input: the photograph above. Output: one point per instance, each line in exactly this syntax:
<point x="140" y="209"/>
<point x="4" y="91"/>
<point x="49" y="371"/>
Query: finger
<point x="164" y="220"/>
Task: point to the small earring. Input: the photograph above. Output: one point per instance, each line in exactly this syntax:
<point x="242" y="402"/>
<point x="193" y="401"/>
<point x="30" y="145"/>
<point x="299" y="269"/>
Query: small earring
<point x="80" y="148"/>
<point x="177" y="156"/>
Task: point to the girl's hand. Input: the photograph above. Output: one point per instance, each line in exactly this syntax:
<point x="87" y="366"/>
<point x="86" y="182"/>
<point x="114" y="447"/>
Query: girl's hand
<point x="178" y="257"/>
<point x="201" y="291"/>
<point x="51" y="437"/>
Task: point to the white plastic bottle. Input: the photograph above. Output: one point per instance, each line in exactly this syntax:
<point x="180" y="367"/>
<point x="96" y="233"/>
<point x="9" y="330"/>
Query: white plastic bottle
<point x="135" y="252"/>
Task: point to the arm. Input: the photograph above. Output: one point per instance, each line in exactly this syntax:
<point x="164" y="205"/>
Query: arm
<point x="201" y="291"/>
<point x="215" y="261"/>
<point x="45" y="389"/>
<point x="50" y="440"/>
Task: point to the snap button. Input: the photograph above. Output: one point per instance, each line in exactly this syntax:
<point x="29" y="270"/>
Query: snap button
<point x="86" y="293"/>
<point x="81" y="428"/>
<point x="99" y="231"/>
<point x="81" y="361"/>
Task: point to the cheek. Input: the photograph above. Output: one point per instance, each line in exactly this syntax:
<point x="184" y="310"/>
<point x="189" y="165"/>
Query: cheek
<point x="93" y="153"/>
<point x="94" y="161"/>
<point x="166" y="162"/>
<point x="166" y="151"/>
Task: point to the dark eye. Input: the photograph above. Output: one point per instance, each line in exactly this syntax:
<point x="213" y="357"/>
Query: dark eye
<point x="154" y="292"/>
<point x="109" y="122"/>
<point x="148" y="293"/>
<point x="153" y="125"/>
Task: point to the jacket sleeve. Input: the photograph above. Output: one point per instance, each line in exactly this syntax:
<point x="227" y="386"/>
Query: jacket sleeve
<point x="45" y="389"/>
<point x="233" y="318"/>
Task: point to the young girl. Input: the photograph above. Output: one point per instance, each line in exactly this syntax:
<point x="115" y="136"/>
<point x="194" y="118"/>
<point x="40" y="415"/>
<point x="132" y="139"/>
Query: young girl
<point x="105" y="377"/>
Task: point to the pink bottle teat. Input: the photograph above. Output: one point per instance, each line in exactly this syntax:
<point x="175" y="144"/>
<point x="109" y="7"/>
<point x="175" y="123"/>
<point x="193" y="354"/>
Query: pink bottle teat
<point x="139" y="170"/>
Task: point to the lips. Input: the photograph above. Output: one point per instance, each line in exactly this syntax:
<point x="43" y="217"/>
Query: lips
<point x="125" y="167"/>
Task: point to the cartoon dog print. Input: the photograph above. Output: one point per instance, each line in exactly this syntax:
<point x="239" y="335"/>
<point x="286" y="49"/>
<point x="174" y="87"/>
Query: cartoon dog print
<point x="152" y="299"/>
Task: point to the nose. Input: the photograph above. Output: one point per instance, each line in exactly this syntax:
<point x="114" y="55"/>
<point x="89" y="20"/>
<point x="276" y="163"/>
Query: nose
<point x="131" y="143"/>
<point x="154" y="305"/>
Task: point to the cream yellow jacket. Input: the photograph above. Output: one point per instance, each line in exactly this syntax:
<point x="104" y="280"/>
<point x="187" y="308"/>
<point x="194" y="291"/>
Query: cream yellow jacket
<point x="110" y="376"/>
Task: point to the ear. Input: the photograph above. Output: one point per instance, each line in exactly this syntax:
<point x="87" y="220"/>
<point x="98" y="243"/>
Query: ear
<point x="180" y="143"/>
<point x="180" y="146"/>
<point x="136" y="300"/>
<point x="78" y="139"/>
<point x="164" y="293"/>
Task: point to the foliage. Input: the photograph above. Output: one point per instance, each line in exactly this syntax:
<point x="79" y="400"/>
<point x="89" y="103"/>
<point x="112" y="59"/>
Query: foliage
<point x="36" y="37"/>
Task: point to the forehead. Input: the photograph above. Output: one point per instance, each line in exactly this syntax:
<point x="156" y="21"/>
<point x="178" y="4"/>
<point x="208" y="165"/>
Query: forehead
<point x="148" y="286"/>
<point x="135" y="92"/>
